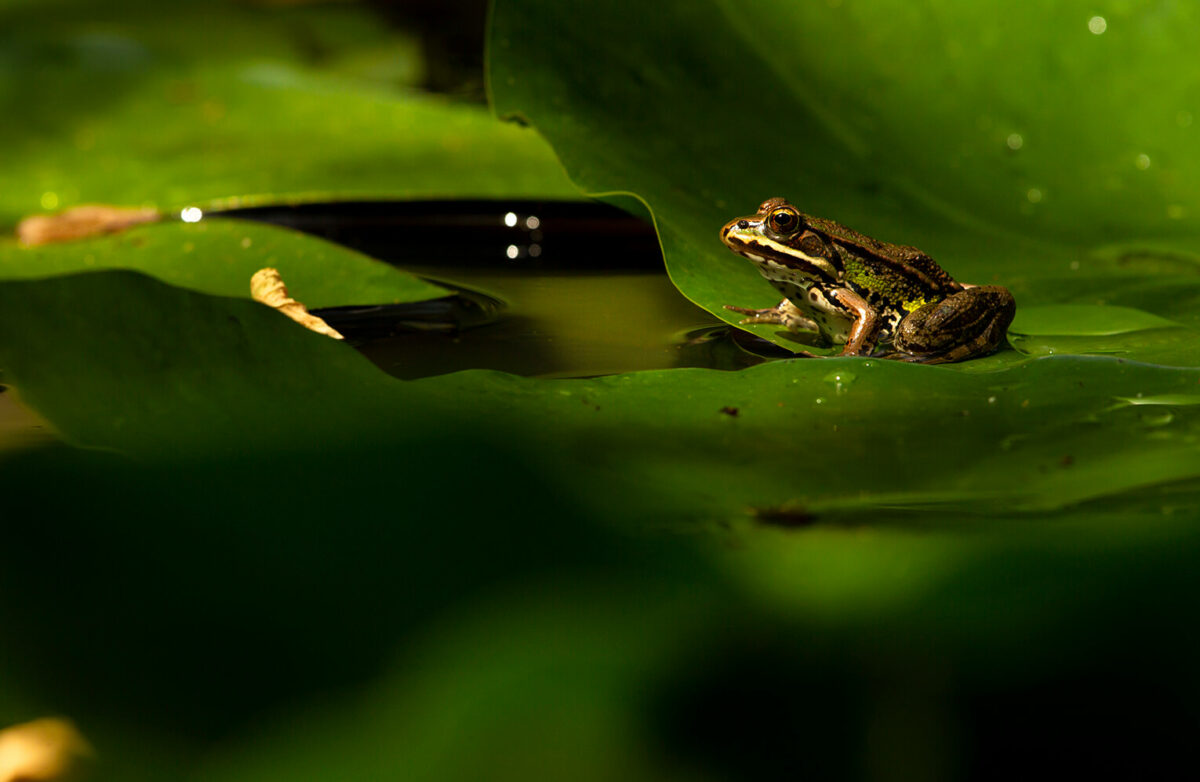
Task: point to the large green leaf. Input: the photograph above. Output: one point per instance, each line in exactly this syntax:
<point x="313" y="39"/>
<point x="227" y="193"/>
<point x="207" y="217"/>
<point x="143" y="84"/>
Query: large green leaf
<point x="835" y="438"/>
<point x="220" y="256"/>
<point x="141" y="103"/>
<point x="1011" y="142"/>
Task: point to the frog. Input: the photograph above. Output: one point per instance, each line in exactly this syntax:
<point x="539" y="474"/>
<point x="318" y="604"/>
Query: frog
<point x="874" y="298"/>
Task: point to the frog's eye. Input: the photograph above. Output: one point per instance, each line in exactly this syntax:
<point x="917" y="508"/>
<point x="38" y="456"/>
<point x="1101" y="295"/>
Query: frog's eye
<point x="783" y="220"/>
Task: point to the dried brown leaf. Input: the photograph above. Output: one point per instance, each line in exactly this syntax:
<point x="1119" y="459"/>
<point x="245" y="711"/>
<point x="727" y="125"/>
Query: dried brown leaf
<point x="81" y="222"/>
<point x="267" y="286"/>
<point x="41" y="751"/>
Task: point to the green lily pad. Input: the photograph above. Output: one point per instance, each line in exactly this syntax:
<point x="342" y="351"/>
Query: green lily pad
<point x="140" y="104"/>
<point x="1085" y="320"/>
<point x="915" y="128"/>
<point x="219" y="256"/>
<point x="706" y="445"/>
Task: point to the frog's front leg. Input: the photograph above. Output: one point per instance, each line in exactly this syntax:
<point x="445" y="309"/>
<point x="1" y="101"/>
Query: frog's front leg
<point x="784" y="314"/>
<point x="864" y="330"/>
<point x="970" y="323"/>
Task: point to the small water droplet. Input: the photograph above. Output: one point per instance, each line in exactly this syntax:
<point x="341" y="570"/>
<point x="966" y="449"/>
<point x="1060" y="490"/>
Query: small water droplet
<point x="49" y="201"/>
<point x="1074" y="266"/>
<point x="246" y="242"/>
<point x="1034" y="195"/>
<point x="991" y="400"/>
<point x="1014" y="141"/>
<point x="1142" y="161"/>
<point x="1097" y="25"/>
<point x="840" y="379"/>
<point x="820" y="400"/>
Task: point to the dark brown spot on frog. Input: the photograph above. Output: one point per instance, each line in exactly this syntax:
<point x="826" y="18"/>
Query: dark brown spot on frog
<point x="732" y="412"/>
<point x="811" y="244"/>
<point x="786" y="516"/>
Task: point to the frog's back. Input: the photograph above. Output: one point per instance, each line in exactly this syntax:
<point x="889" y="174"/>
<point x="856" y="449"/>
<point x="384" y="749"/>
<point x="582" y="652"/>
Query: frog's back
<point x="896" y="262"/>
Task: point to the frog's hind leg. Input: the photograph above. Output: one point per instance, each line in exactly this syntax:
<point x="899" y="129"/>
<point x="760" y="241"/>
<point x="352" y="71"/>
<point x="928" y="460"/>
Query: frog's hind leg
<point x="967" y="324"/>
<point x="784" y="314"/>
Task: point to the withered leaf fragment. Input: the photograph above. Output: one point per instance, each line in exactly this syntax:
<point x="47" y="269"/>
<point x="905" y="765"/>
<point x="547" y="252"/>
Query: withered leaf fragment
<point x="81" y="222"/>
<point x="267" y="286"/>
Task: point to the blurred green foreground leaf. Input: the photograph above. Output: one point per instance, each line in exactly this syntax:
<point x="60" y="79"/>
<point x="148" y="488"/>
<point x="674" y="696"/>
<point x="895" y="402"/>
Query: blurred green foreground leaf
<point x="297" y="476"/>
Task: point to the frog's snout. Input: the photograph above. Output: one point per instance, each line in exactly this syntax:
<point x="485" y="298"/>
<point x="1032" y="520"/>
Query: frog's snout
<point x="731" y="226"/>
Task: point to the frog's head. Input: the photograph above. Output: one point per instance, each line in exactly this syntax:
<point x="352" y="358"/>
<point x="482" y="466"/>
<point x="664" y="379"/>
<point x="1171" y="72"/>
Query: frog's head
<point x="779" y="242"/>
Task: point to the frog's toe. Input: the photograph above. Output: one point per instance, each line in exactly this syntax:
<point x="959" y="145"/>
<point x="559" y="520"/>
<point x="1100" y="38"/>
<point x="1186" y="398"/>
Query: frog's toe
<point x="746" y="310"/>
<point x="770" y="315"/>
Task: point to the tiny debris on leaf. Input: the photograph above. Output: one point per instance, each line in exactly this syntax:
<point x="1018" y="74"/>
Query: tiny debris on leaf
<point x="732" y="412"/>
<point x="81" y="222"/>
<point x="267" y="286"/>
<point x="788" y="516"/>
<point x="41" y="751"/>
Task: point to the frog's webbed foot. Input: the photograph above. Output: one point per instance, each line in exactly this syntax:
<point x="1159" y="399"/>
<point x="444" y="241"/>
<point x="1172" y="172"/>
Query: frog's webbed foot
<point x="783" y="314"/>
<point x="970" y="323"/>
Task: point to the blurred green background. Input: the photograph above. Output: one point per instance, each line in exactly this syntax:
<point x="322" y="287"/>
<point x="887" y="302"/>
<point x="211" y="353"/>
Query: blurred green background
<point x="239" y="551"/>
